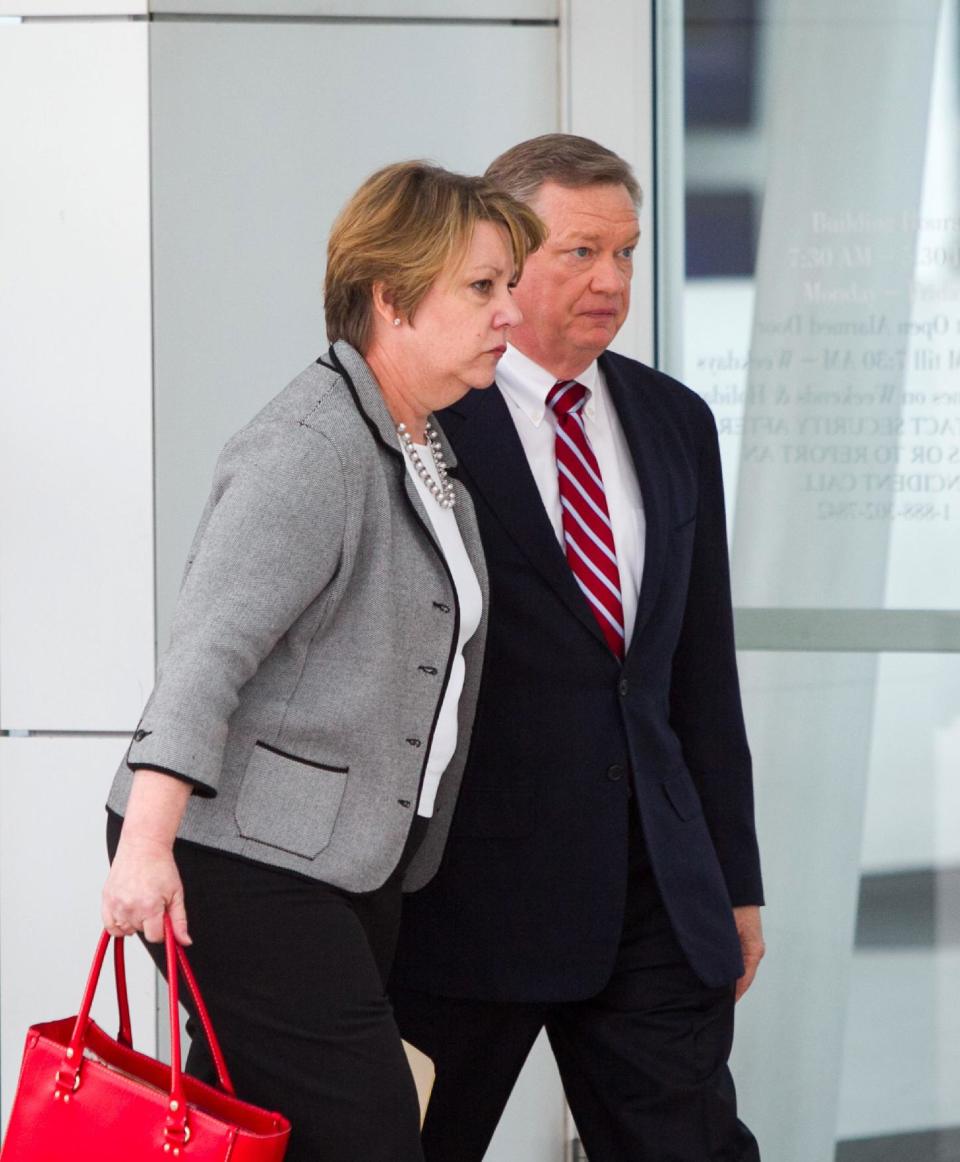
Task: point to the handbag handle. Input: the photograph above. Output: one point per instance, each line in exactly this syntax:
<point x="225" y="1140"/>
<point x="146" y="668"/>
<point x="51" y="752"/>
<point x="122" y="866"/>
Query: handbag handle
<point x="176" y="1130"/>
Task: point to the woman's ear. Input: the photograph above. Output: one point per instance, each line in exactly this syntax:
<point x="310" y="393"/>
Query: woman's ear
<point x="383" y="303"/>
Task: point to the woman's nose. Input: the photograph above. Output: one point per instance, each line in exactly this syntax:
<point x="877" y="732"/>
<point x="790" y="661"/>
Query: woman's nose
<point x="509" y="314"/>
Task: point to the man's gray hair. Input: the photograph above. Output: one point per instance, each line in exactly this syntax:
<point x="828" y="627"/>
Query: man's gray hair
<point x="563" y="158"/>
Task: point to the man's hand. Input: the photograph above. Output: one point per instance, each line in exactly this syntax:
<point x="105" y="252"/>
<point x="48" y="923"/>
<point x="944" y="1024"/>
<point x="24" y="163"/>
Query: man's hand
<point x="750" y="931"/>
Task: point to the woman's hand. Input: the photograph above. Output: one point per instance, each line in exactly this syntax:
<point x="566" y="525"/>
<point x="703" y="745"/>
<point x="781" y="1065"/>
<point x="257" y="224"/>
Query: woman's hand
<point x="142" y="885"/>
<point x="144" y="882"/>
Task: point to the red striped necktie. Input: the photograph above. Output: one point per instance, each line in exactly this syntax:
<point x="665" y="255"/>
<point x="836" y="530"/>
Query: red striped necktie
<point x="587" y="532"/>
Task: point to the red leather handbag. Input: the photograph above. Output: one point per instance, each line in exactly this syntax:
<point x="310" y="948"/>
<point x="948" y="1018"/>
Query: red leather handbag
<point x="85" y="1097"/>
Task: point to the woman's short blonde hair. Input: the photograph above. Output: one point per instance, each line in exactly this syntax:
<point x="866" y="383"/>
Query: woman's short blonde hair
<point x="403" y="226"/>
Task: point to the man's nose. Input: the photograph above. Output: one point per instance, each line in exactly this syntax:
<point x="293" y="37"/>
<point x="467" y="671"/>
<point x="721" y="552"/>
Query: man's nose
<point x="607" y="277"/>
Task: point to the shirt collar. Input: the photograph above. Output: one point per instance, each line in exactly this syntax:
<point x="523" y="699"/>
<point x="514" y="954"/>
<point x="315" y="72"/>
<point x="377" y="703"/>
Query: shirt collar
<point x="526" y="384"/>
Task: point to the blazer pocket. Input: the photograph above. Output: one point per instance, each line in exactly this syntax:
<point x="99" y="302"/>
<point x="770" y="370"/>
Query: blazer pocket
<point x="494" y="814"/>
<point x="288" y="802"/>
<point x="682" y="794"/>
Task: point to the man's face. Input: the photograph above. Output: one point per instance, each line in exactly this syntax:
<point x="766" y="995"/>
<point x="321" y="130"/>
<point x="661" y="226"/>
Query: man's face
<point x="575" y="290"/>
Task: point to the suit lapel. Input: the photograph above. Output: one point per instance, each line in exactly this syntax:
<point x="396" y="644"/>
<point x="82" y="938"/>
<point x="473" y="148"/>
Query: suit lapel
<point x="640" y="430"/>
<point x="489" y="449"/>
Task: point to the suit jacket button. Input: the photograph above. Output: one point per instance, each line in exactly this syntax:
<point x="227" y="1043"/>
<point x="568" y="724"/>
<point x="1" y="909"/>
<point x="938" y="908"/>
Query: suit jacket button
<point x="441" y="606"/>
<point x="624" y="687"/>
<point x="414" y="741"/>
<point x="615" y="773"/>
<point x="140" y="735"/>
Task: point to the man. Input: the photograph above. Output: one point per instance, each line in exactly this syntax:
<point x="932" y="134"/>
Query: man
<point x="602" y="877"/>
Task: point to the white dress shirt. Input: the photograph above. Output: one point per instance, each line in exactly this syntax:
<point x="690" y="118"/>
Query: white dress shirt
<point x="470" y="600"/>
<point x="525" y="385"/>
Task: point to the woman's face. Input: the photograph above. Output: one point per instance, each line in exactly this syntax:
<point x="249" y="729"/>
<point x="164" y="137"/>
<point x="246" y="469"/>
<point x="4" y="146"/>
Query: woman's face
<point x="460" y="328"/>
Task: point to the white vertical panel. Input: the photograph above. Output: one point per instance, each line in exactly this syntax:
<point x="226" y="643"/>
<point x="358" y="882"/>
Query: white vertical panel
<point x="261" y="133"/>
<point x="609" y="97"/>
<point x="668" y="193"/>
<point x="76" y="599"/>
<point x="52" y="865"/>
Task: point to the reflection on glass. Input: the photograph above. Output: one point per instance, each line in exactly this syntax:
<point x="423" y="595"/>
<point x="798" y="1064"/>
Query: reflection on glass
<point x="836" y="386"/>
<point x="719" y="68"/>
<point x="821" y="321"/>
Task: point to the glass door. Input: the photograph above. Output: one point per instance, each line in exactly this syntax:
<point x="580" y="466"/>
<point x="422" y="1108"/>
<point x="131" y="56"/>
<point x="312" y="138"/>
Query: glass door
<point x="809" y="290"/>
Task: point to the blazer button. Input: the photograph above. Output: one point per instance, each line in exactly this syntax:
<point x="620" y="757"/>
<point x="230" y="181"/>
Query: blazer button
<point x="615" y="773"/>
<point x="440" y="605"/>
<point x="624" y="687"/>
<point x="414" y="741"/>
<point x="427" y="669"/>
<point x="140" y="735"/>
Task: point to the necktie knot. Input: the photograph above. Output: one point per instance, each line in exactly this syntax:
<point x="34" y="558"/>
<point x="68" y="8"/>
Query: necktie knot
<point x="566" y="397"/>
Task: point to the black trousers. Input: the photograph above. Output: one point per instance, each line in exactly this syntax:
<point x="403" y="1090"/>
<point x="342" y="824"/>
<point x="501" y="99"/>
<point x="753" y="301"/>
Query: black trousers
<point x="293" y="972"/>
<point x="643" y="1063"/>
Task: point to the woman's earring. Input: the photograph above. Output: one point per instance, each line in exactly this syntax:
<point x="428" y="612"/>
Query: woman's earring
<point x="396" y="321"/>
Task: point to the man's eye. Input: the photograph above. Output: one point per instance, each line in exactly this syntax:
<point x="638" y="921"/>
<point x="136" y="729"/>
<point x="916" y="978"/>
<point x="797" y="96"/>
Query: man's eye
<point x="627" y="251"/>
<point x="582" y="251"/>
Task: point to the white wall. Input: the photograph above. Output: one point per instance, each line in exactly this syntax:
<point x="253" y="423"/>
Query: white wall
<point x="76" y="497"/>
<point x="76" y="586"/>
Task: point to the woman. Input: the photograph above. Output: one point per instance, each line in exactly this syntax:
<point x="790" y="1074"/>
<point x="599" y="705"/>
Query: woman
<point x="285" y="778"/>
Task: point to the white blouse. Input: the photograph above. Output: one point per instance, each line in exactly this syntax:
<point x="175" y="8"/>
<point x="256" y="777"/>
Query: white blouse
<point x="470" y="601"/>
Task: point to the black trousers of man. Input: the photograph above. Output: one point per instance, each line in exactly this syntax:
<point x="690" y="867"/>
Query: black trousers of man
<point x="643" y="1062"/>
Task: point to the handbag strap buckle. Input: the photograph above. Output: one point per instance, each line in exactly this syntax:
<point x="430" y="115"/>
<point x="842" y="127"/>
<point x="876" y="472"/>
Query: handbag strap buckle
<point x="66" y="1081"/>
<point x="176" y="1135"/>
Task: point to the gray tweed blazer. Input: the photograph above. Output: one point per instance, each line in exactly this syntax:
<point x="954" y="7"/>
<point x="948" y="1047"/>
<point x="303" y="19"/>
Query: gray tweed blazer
<point x="312" y="643"/>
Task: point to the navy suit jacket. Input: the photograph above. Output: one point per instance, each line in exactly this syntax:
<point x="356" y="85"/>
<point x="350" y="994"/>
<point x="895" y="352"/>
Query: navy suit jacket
<point x="528" y="902"/>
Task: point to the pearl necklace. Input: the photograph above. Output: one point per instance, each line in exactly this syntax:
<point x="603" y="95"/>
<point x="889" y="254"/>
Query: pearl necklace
<point x="441" y="490"/>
